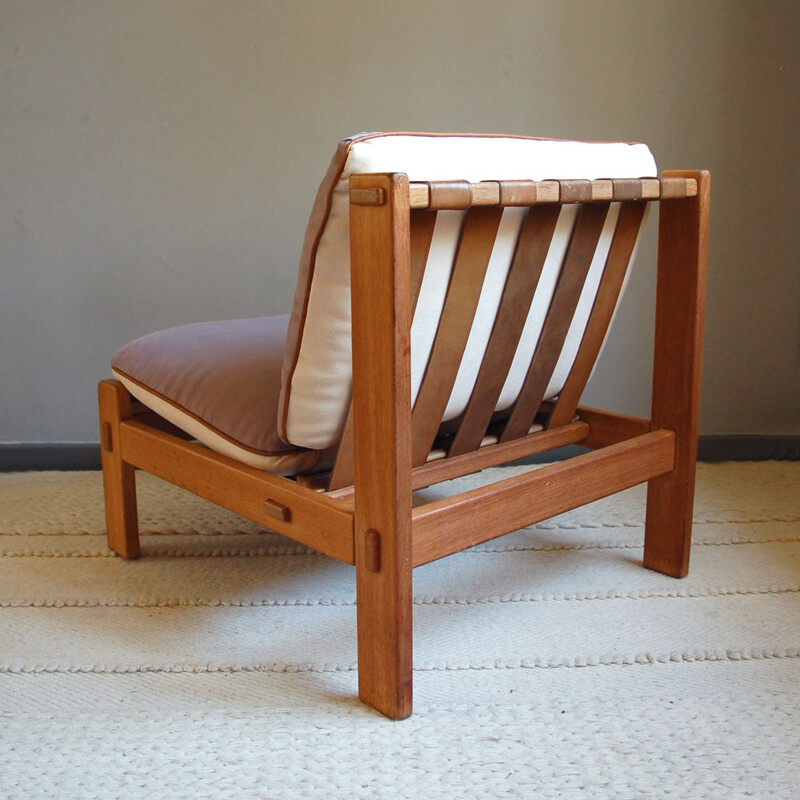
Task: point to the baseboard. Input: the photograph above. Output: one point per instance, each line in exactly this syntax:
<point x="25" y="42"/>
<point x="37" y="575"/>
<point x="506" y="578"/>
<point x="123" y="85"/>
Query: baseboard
<point x="49" y="456"/>
<point x="749" y="447"/>
<point x="722" y="447"/>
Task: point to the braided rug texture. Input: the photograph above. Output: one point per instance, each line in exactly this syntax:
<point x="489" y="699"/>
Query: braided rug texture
<point x="548" y="663"/>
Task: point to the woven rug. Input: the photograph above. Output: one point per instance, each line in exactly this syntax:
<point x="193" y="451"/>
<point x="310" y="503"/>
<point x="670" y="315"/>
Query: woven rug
<point x="548" y="663"/>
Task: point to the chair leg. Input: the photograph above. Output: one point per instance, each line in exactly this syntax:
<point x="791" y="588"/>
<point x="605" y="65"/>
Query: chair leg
<point x="680" y="303"/>
<point x="668" y="526"/>
<point x="380" y="270"/>
<point x="119" y="482"/>
<point x="384" y="594"/>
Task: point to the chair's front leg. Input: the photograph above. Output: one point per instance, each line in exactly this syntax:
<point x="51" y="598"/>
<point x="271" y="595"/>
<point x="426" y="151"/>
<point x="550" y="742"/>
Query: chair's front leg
<point x="119" y="482"/>
<point x="680" y="303"/>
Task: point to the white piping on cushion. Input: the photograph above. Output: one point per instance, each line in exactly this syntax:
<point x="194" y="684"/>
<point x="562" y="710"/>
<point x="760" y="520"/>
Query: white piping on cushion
<point x="292" y="462"/>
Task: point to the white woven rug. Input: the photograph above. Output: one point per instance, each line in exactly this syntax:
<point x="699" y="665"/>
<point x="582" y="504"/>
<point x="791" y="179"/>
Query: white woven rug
<point x="547" y="663"/>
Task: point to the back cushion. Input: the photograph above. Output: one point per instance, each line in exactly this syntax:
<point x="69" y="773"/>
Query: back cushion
<point x="317" y="372"/>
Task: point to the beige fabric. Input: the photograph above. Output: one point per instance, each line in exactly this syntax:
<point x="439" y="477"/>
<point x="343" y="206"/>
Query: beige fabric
<point x="317" y="369"/>
<point x="219" y="382"/>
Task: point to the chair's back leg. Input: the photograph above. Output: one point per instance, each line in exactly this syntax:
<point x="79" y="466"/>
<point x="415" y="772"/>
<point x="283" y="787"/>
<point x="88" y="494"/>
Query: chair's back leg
<point x="379" y="257"/>
<point x="680" y="303"/>
<point x="119" y="482"/>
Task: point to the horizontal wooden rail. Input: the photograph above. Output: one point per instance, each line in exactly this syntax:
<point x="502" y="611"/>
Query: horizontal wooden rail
<point x="446" y="526"/>
<point x="608" y="427"/>
<point x="489" y="456"/>
<point x="302" y="514"/>
<point x="461" y="194"/>
<point x="493" y="454"/>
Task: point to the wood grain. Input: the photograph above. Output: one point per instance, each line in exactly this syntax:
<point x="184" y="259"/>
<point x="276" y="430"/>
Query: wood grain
<point x="380" y="280"/>
<point x="466" y="282"/>
<point x="523" y="278"/>
<point x="491" y="455"/>
<point x="608" y="427"/>
<point x="677" y="365"/>
<point x="313" y="519"/>
<point x="629" y="224"/>
<point x="455" y="523"/>
<point x="119" y="480"/>
<point x="571" y="279"/>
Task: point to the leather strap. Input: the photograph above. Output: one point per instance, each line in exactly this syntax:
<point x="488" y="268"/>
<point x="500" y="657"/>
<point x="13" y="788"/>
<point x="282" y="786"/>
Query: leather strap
<point x="450" y="194"/>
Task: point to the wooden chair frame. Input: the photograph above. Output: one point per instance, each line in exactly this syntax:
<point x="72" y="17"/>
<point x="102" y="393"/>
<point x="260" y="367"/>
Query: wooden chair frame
<point x="371" y="523"/>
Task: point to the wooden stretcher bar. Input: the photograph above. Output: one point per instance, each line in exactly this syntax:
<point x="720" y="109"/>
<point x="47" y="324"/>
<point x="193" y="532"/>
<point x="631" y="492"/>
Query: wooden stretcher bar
<point x="461" y="194"/>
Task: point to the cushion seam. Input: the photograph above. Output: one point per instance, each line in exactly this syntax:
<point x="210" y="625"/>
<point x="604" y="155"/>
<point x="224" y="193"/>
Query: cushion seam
<point x="208" y="425"/>
<point x="285" y="399"/>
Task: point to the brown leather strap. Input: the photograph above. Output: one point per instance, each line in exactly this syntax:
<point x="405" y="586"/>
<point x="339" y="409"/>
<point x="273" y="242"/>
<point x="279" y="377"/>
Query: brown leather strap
<point x="466" y="281"/>
<point x="619" y="256"/>
<point x="450" y="194"/>
<point x="523" y="277"/>
<point x="583" y="244"/>
<point x="517" y="193"/>
<point x="627" y="188"/>
<point x="576" y="191"/>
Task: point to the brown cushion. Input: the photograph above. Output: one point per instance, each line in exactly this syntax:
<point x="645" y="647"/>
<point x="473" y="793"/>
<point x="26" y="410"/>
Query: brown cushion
<point x="220" y="382"/>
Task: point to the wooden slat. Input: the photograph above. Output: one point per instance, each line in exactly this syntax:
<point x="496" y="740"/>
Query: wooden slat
<point x="423" y="224"/>
<point x="466" y="281"/>
<point x="455" y="523"/>
<point x="602" y="190"/>
<point x="488" y="456"/>
<point x="380" y="274"/>
<point x="521" y="282"/>
<point x="627" y="229"/>
<point x="680" y="304"/>
<point x="675" y="188"/>
<point x="515" y="193"/>
<point x="577" y="261"/>
<point x="316" y="520"/>
<point x="119" y="481"/>
<point x="493" y="454"/>
<point x="422" y="227"/>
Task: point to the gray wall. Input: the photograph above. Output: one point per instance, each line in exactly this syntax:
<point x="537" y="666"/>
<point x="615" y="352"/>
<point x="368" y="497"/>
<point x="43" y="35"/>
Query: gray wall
<point x="158" y="160"/>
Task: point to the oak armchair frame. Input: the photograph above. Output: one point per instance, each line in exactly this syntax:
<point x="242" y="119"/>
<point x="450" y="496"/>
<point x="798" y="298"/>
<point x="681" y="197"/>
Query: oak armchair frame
<point x="365" y="517"/>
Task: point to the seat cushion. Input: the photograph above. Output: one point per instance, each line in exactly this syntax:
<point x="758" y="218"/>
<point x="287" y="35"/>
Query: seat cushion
<point x="316" y="377"/>
<point x="219" y="382"/>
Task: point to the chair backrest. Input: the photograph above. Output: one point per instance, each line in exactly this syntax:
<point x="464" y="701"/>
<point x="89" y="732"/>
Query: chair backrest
<point x="501" y="289"/>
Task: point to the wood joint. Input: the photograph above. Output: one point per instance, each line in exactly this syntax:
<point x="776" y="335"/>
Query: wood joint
<point x="106" y="437"/>
<point x="277" y="511"/>
<point x="374" y="196"/>
<point x="372" y="546"/>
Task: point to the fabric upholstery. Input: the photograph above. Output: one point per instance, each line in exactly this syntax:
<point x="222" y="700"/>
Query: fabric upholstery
<point x="273" y="392"/>
<point x="316" y="375"/>
<point x="219" y="382"/>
